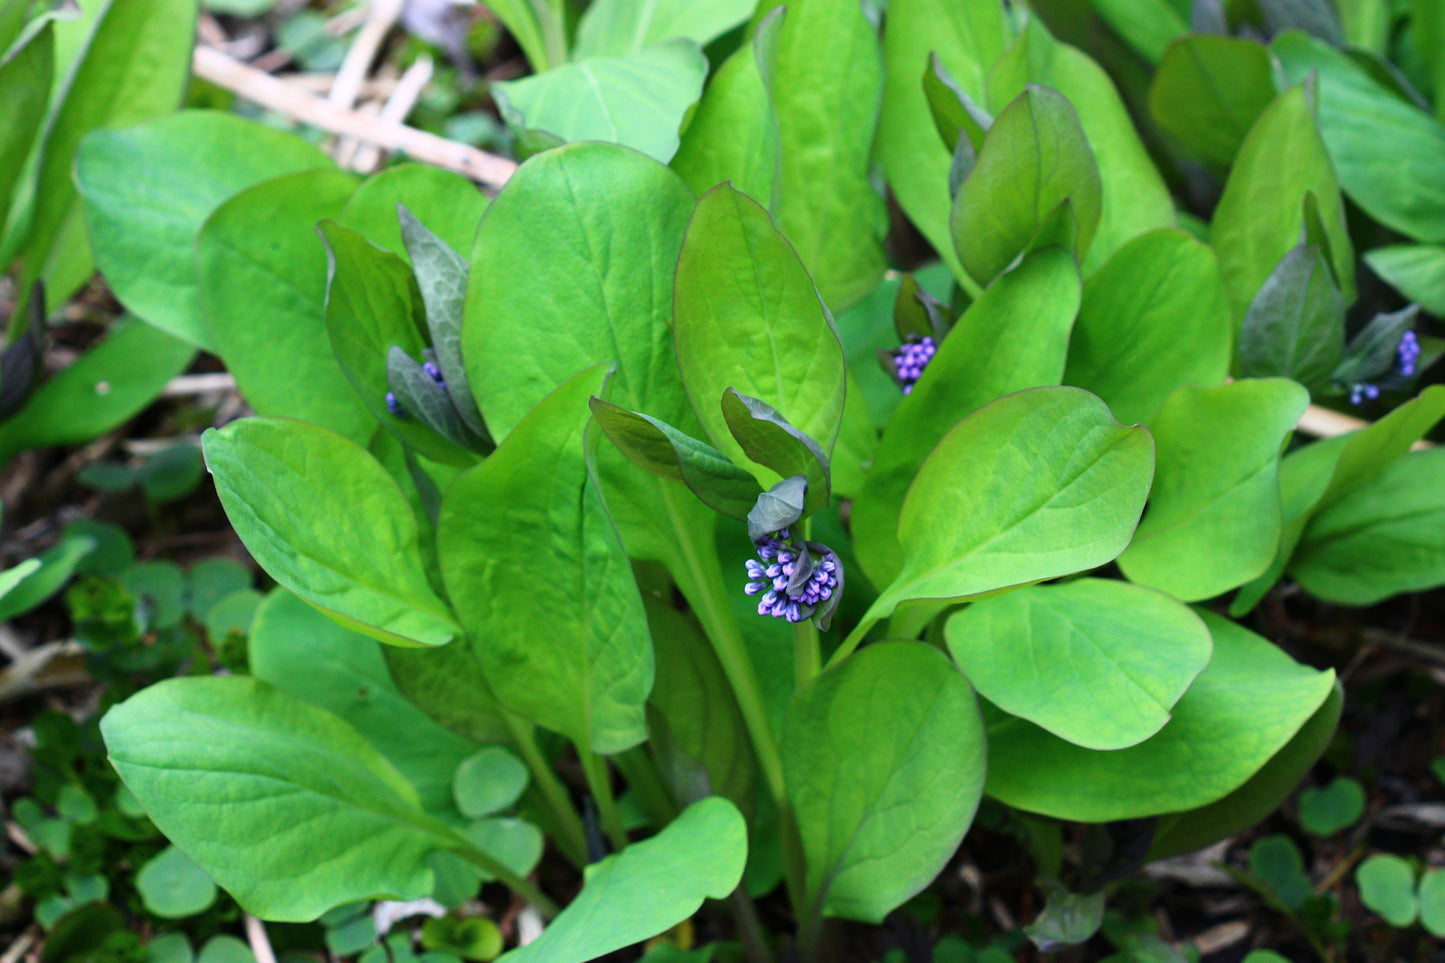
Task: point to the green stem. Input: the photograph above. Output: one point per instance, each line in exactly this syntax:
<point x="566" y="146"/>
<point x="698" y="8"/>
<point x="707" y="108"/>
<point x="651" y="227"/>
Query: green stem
<point x="806" y="656"/>
<point x="599" y="780"/>
<point x="750" y="928"/>
<point x="852" y="641"/>
<point x="646" y="781"/>
<point x="573" y="838"/>
<point x="515" y="883"/>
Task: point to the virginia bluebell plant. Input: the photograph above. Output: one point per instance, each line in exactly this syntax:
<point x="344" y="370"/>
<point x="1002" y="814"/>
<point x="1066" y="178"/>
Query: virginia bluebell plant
<point x="1407" y="353"/>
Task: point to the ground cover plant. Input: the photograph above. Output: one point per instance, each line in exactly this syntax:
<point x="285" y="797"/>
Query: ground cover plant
<point x="638" y="512"/>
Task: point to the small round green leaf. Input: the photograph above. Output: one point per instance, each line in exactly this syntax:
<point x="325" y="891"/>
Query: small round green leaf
<point x="173" y="886"/>
<point x="1325" y="810"/>
<point x="170" y="948"/>
<point x="225" y="949"/>
<point x="489" y="782"/>
<point x="1432" y="901"/>
<point x="1387" y="886"/>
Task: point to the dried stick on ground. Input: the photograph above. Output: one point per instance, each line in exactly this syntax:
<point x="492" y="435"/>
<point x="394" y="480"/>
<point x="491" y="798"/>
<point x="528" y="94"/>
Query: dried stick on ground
<point x="381" y="16"/>
<point x="1327" y="423"/>
<point x="277" y="95"/>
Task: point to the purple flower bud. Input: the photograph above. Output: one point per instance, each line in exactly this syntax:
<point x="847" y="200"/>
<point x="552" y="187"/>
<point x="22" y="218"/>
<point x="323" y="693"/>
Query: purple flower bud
<point x="394" y="406"/>
<point x="795" y="581"/>
<point x="1362" y="391"/>
<point x="1406" y="354"/>
<point x="434" y="372"/>
<point x="909" y="360"/>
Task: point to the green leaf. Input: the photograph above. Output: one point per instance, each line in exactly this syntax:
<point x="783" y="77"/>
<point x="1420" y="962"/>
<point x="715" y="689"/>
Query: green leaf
<point x="1317" y="17"/>
<point x="536" y="31"/>
<point x="1154" y="317"/>
<point x="649" y="887"/>
<point x="1096" y="662"/>
<point x="747" y="317"/>
<point x="310" y="657"/>
<point x="1432" y="901"/>
<point x="1371" y="353"/>
<point x="1238" y="713"/>
<point x="1295" y="326"/>
<point x="1325" y="810"/>
<point x="31" y="584"/>
<point x="1399" y="186"/>
<point x="282" y="803"/>
<point x="733" y="133"/>
<point x="1039" y="484"/>
<point x="1067" y="919"/>
<point x="1258" y="220"/>
<point x="884" y="762"/>
<point x="1208" y="92"/>
<point x="1261" y="794"/>
<point x="25" y="81"/>
<point x="173" y="887"/>
<point x="580" y="663"/>
<point x="668" y="453"/>
<point x="354" y="553"/>
<point x="1276" y="862"/>
<point x="1417" y="271"/>
<point x="372" y="305"/>
<point x="448" y="204"/>
<point x="1147" y="25"/>
<point x="955" y="113"/>
<point x="134" y="67"/>
<point x="110" y="384"/>
<point x="616" y="28"/>
<point x="1035" y="159"/>
<point x="1214" y="518"/>
<point x="1379" y="539"/>
<point x="638" y="100"/>
<point x="1013" y="337"/>
<point x="827" y="108"/>
<point x="1387" y="886"/>
<point x="767" y="438"/>
<point x="262" y="274"/>
<point x="149" y="189"/>
<point x="448" y="684"/>
<point x="488" y="782"/>
<point x="968" y="38"/>
<point x="16" y="574"/>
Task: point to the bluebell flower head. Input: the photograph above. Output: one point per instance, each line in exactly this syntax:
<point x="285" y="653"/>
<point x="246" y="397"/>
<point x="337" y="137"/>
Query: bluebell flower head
<point x="1362" y="391"/>
<point x="909" y="360"/>
<point x="1406" y="354"/>
<point x="394" y="406"/>
<point x="434" y="373"/>
<point x="794" y="581"/>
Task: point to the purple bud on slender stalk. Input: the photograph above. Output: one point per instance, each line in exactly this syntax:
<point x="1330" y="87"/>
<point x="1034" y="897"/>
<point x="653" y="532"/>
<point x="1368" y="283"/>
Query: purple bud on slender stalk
<point x="394" y="406"/>
<point x="1406" y="354"/>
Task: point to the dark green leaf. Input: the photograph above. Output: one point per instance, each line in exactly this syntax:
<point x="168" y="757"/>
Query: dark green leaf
<point x="25" y="81"/>
<point x="767" y="438"/>
<point x="1325" y="810"/>
<point x="1208" y="92"/>
<point x="1370" y="355"/>
<point x="1295" y="326"/>
<point x="1067" y="919"/>
<point x="777" y="508"/>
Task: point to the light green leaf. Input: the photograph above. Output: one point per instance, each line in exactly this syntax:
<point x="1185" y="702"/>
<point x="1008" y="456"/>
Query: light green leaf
<point x="1379" y="539"/>
<point x="1259" y="218"/>
<point x="1389" y="154"/>
<point x="638" y="101"/>
<point x="616" y="28"/>
<point x="1014" y="336"/>
<point x="448" y="204"/>
<point x="25" y="81"/>
<point x="262" y="274"/>
<point x="488" y="782"/>
<point x="354" y="553"/>
<point x="173" y="887"/>
<point x="1417" y="271"/>
<point x="827" y="108"/>
<point x="1154" y="317"/>
<point x="282" y="803"/>
<point x="148" y="190"/>
<point x="135" y="67"/>
<point x="306" y="655"/>
<point x="884" y="761"/>
<point x="748" y="318"/>
<point x="35" y="580"/>
<point x="1208" y="92"/>
<point x="580" y="663"/>
<point x="648" y="887"/>
<point x="1148" y="25"/>
<point x="1432" y="901"/>
<point x="1035" y="159"/>
<point x="1096" y="662"/>
<point x="1214" y="516"/>
<point x="1039" y="484"/>
<point x="16" y="574"/>
<point x="110" y="384"/>
<point x="1239" y="712"/>
<point x="1387" y="886"/>
<point x="968" y="38"/>
<point x="733" y="134"/>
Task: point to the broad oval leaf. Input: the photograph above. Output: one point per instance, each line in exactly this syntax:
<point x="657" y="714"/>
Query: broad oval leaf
<point x="1039" y="484"/>
<point x="1015" y="336"/>
<point x="1208" y="91"/>
<point x="1417" y="271"/>
<point x="1097" y="662"/>
<point x="149" y="189"/>
<point x="354" y="553"/>
<point x="638" y="100"/>
<point x="448" y="204"/>
<point x="1295" y="326"/>
<point x="545" y="589"/>
<point x="25" y="81"/>
<point x="1214" y="515"/>
<point x="1239" y="712"/>
<point x="615" y="28"/>
<point x="884" y="758"/>
<point x="282" y="803"/>
<point x="1035" y="159"/>
<point x="1154" y="317"/>
<point x="262" y="275"/>
<point x="649" y="887"/>
<point x="747" y="317"/>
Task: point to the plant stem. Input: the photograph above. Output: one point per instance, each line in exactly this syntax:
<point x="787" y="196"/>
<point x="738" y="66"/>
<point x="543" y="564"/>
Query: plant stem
<point x="599" y="780"/>
<point x="573" y="838"/>
<point x="806" y="657"/>
<point x="750" y="928"/>
<point x="644" y="779"/>
<point x="854" y="638"/>
<point x="515" y="883"/>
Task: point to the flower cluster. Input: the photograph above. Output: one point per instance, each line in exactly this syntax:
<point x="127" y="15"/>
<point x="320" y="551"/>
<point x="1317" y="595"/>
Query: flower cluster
<point x="793" y="580"/>
<point x="909" y="360"/>
<point x="394" y="405"/>
<point x="1407" y="354"/>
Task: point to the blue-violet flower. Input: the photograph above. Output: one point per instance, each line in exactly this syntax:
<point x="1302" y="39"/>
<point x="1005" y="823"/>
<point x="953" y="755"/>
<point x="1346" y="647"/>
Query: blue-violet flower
<point x="792" y="581"/>
<point x="1407" y="353"/>
<point x="394" y="406"/>
<point x="909" y="360"/>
